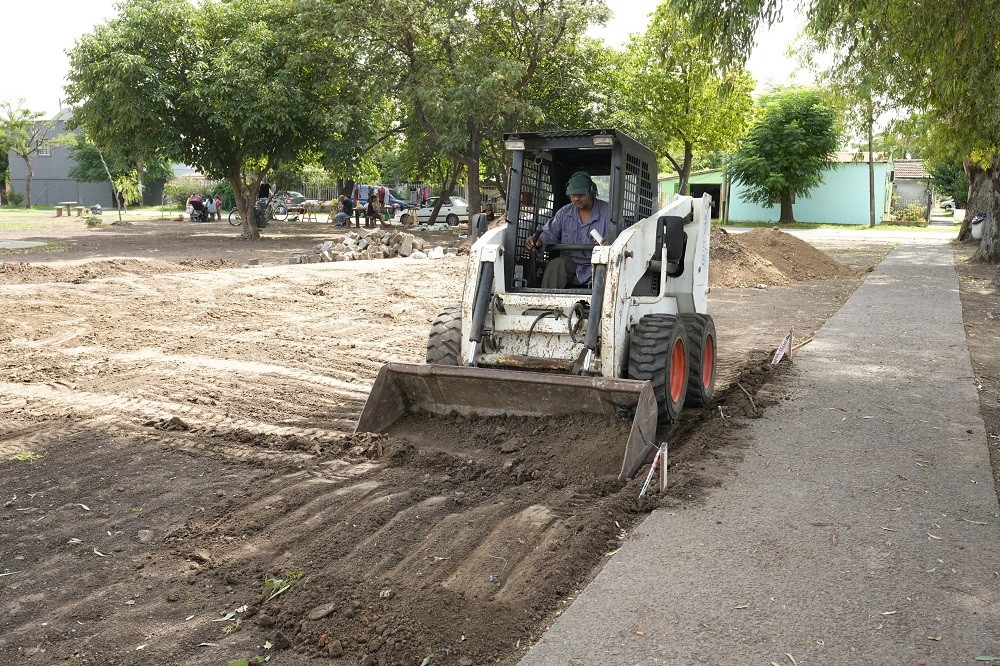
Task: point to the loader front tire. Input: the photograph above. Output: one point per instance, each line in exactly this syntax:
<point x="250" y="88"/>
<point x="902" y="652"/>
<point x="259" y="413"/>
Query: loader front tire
<point x="701" y="358"/>
<point x="444" y="344"/>
<point x="658" y="353"/>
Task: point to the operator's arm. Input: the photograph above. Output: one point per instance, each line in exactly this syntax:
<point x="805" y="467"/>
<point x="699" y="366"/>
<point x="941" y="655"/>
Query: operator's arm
<point x="551" y="233"/>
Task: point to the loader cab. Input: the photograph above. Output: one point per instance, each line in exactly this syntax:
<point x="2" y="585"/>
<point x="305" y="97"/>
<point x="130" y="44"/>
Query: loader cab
<point x="623" y="169"/>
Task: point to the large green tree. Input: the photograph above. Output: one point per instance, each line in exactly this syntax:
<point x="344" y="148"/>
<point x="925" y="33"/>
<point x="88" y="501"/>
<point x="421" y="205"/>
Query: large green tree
<point x="787" y="149"/>
<point x="942" y="55"/>
<point x="236" y="88"/>
<point x="676" y="99"/>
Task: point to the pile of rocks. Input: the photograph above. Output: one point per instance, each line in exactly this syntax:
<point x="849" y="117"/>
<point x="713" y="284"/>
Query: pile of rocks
<point x="374" y="244"/>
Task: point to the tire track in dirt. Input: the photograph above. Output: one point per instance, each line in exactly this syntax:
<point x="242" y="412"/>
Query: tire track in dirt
<point x="483" y="531"/>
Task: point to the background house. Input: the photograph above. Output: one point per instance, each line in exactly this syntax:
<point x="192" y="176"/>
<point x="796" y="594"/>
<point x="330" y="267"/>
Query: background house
<point x="842" y="197"/>
<point x="912" y="184"/>
<point x="710" y="181"/>
<point x="51" y="182"/>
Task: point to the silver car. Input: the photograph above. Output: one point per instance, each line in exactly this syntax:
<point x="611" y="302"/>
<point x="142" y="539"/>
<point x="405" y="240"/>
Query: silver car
<point x="453" y="211"/>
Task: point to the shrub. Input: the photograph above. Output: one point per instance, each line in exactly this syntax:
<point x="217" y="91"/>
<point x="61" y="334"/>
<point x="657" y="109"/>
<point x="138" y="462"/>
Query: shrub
<point x="912" y="216"/>
<point x="15" y="198"/>
<point x="93" y="222"/>
<point x="177" y="191"/>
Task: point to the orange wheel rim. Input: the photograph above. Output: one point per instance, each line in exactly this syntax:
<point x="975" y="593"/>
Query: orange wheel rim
<point x="678" y="371"/>
<point x="708" y="362"/>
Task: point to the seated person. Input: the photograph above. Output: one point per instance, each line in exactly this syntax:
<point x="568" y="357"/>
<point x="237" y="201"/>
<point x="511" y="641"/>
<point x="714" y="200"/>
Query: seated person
<point x="373" y="212"/>
<point x="572" y="225"/>
<point x="344" y="209"/>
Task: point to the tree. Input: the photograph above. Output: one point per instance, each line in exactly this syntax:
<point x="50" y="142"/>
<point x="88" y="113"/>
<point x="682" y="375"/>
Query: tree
<point x="788" y="148"/>
<point x="148" y="84"/>
<point x="469" y="69"/>
<point x="677" y="100"/>
<point x="91" y="166"/>
<point x="859" y="86"/>
<point x="948" y="73"/>
<point x="25" y="133"/>
<point x="951" y="180"/>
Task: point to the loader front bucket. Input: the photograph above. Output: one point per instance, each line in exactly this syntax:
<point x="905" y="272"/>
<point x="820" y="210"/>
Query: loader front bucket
<point x="403" y="388"/>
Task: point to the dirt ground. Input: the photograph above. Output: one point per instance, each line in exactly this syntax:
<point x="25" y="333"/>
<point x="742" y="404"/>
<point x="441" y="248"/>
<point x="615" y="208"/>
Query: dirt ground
<point x="181" y="485"/>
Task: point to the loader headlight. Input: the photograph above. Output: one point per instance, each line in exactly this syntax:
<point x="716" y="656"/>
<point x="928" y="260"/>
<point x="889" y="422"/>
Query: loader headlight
<point x="514" y="144"/>
<point x="604" y="140"/>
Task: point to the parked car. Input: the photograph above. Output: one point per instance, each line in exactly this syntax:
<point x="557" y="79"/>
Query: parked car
<point x="291" y="199"/>
<point x="394" y="203"/>
<point x="947" y="204"/>
<point x="453" y="211"/>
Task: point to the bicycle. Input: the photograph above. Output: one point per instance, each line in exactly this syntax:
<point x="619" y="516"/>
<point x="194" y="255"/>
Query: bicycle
<point x="276" y="210"/>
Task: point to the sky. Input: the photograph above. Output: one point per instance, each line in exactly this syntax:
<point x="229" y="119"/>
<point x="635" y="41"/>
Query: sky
<point x="39" y="32"/>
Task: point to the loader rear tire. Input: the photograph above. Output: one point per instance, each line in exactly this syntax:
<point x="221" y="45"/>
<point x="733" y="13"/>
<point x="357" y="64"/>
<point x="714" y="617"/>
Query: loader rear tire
<point x="444" y="344"/>
<point x="658" y="353"/>
<point x="701" y="358"/>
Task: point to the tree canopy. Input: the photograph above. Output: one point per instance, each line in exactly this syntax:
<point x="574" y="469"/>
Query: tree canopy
<point x="676" y="99"/>
<point x="465" y="71"/>
<point x="787" y="149"/>
<point x="936" y="57"/>
<point x="233" y="88"/>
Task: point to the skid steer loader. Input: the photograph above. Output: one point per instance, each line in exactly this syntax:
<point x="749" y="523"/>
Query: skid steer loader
<point x="635" y="341"/>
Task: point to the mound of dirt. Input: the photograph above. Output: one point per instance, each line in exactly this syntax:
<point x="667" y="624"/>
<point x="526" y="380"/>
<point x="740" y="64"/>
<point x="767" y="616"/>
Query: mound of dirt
<point x="26" y="273"/>
<point x="767" y="256"/>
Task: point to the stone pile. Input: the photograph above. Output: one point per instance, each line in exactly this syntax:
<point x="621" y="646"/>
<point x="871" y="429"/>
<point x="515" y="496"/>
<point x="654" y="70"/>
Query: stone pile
<point x="373" y="244"/>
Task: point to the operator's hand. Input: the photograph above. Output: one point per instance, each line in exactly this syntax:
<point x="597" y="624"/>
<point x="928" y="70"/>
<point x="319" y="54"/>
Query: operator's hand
<point x="530" y="242"/>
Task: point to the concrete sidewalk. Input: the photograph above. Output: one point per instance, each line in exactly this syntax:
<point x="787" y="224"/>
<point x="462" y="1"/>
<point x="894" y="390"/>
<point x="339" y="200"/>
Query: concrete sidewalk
<point x="861" y="528"/>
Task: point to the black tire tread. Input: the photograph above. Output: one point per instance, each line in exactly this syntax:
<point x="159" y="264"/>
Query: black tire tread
<point x="444" y="343"/>
<point x="649" y="344"/>
<point x="696" y="325"/>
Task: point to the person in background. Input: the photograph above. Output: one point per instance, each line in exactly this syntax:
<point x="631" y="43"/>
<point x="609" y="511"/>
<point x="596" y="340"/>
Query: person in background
<point x="373" y="213"/>
<point x="488" y="210"/>
<point x="197" y="204"/>
<point x="344" y="209"/>
<point x="218" y="207"/>
<point x="210" y="207"/>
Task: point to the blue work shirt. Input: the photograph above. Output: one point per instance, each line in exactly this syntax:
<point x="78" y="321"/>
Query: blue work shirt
<point x="566" y="228"/>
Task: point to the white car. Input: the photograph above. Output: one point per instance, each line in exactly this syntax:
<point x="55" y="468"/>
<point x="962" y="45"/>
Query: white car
<point x="453" y="211"/>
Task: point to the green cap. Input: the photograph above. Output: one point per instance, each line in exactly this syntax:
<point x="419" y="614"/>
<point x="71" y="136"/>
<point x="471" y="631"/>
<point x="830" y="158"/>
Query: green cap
<point x="579" y="183"/>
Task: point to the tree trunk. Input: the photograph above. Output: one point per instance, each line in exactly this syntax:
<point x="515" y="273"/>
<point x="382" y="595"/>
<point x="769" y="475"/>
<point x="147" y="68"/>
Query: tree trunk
<point x="684" y="177"/>
<point x="989" y="247"/>
<point x="27" y="181"/>
<point x="448" y="188"/>
<point x="980" y="195"/>
<point x="786" y="216"/>
<point x="871" y="175"/>
<point x="114" y="190"/>
<point x="475" y="195"/>
<point x="246" y="196"/>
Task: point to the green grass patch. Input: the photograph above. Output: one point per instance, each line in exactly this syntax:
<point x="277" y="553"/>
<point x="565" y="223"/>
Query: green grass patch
<point x="26" y="456"/>
<point x="48" y="247"/>
<point x="846" y="227"/>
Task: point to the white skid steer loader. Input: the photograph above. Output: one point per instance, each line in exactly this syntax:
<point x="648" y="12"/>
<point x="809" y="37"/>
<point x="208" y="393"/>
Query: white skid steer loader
<point x="636" y="340"/>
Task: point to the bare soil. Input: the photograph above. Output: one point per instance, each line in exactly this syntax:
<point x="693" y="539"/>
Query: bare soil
<point x="181" y="482"/>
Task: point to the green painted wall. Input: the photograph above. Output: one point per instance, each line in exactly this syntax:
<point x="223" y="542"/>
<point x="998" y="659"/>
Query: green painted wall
<point x="842" y="198"/>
